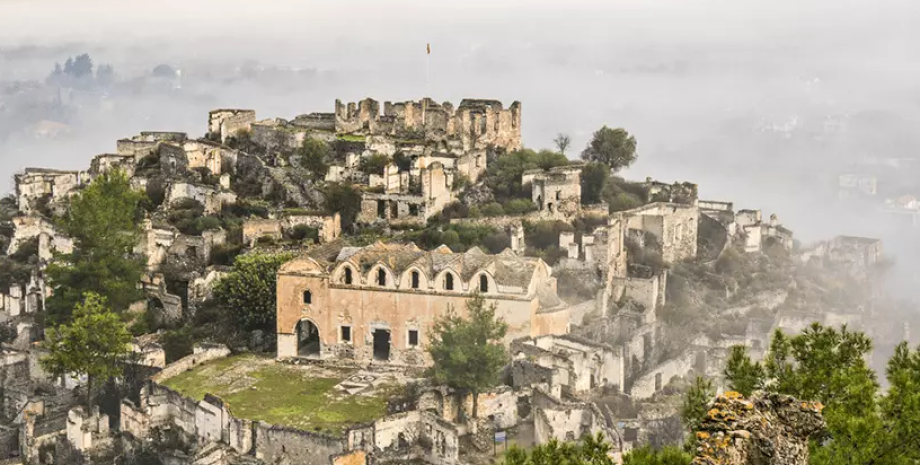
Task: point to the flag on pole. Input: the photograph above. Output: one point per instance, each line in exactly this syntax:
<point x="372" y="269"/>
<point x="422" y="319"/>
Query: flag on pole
<point x="429" y="49"/>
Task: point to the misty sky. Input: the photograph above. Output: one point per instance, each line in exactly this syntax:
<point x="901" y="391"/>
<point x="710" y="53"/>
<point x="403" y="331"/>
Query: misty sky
<point x="673" y="72"/>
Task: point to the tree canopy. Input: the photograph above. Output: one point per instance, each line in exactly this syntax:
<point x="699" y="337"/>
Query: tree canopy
<point x="503" y="175"/>
<point x="103" y="221"/>
<point x="93" y="344"/>
<point x="829" y="365"/>
<point x="562" y="141"/>
<point x="468" y="352"/>
<point x="594" y="178"/>
<point x="248" y="292"/>
<point x="314" y="156"/>
<point x="591" y="450"/>
<point x="344" y="199"/>
<point x="612" y="147"/>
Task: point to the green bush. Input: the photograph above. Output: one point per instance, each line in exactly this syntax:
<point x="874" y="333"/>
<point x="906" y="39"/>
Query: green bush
<point x="303" y="232"/>
<point x="496" y="242"/>
<point x="519" y="207"/>
<point x="224" y="255"/>
<point x="314" y="155"/>
<point x="545" y="234"/>
<point x="374" y="164"/>
<point x="177" y="343"/>
<point x="492" y="209"/>
<point x="624" y="201"/>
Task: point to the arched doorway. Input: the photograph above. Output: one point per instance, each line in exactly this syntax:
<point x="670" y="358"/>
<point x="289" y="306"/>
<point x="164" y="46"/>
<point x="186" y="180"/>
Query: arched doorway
<point x="308" y="343"/>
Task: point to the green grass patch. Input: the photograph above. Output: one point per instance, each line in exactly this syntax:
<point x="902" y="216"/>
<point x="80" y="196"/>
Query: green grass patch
<point x="280" y="394"/>
<point x="351" y="137"/>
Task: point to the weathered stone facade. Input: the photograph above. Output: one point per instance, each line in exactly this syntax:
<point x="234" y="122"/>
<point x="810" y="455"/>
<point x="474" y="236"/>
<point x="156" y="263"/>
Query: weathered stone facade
<point x="673" y="225"/>
<point x="575" y="366"/>
<point x="403" y="206"/>
<point x="478" y="124"/>
<point x="146" y="143"/>
<point x="224" y="123"/>
<point x="36" y="186"/>
<point x="557" y="191"/>
<point x="378" y="302"/>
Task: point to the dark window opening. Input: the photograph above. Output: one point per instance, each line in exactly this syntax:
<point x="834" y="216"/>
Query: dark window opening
<point x="381" y="345"/>
<point x="346" y="333"/>
<point x="307" y="297"/>
<point x="191" y="252"/>
<point x="394" y="210"/>
<point x="413" y="337"/>
<point x="413" y="210"/>
<point x="631" y="434"/>
<point x="381" y="277"/>
<point x="348" y="277"/>
<point x="483" y="283"/>
<point x="415" y="280"/>
<point x="558" y="195"/>
<point x="449" y="282"/>
<point x="483" y="124"/>
<point x="381" y="209"/>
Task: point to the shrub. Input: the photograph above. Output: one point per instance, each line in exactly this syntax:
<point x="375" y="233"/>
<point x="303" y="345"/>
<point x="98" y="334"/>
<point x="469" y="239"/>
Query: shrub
<point x="375" y="164"/>
<point x="177" y="343"/>
<point x="302" y="232"/>
<point x="496" y="242"/>
<point x="624" y="201"/>
<point x="492" y="209"/>
<point x="314" y="156"/>
<point x="224" y="254"/>
<point x="519" y="207"/>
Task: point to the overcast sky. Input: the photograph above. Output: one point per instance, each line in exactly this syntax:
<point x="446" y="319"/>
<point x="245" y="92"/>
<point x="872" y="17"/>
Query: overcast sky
<point x="672" y="72"/>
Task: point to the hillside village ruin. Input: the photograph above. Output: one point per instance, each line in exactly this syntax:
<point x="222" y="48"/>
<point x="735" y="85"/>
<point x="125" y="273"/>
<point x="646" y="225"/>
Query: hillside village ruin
<point x="592" y="343"/>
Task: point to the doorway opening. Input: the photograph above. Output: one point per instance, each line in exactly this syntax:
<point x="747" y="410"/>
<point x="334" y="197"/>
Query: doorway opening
<point x="307" y="339"/>
<point x="381" y="344"/>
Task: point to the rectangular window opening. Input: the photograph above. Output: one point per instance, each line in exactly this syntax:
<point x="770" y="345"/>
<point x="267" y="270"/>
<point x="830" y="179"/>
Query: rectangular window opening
<point x="346" y="333"/>
<point x="413" y="338"/>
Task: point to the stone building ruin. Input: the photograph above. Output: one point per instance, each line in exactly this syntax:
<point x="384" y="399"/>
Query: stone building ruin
<point x="225" y="123"/>
<point x="378" y="302"/>
<point x="475" y="124"/>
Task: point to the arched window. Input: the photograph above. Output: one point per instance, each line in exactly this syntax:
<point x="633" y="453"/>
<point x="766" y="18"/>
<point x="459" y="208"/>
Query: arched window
<point x="449" y="282"/>
<point x="348" y="277"/>
<point x="483" y="283"/>
<point x="307" y="297"/>
<point x="415" y="280"/>
<point x="381" y="277"/>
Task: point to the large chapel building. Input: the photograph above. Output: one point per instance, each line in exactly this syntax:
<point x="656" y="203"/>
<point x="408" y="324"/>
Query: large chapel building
<point x="379" y="302"/>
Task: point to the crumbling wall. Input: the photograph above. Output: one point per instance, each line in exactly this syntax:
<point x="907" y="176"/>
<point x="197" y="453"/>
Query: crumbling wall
<point x="674" y="225"/>
<point x="768" y="429"/>
<point x="212" y="199"/>
<point x="37" y="185"/>
<point x="202" y="353"/>
<point x="275" y="443"/>
<point x="109" y="162"/>
<point x="557" y="191"/>
<point x="224" y="123"/>
<point x="658" y="377"/>
<point x="475" y="124"/>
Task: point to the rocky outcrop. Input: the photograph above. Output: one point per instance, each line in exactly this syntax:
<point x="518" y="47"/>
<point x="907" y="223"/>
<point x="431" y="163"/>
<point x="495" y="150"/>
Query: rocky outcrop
<point x="768" y="429"/>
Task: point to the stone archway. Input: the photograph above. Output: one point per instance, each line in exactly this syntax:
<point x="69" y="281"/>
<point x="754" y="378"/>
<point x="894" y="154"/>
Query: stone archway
<point x="308" y="341"/>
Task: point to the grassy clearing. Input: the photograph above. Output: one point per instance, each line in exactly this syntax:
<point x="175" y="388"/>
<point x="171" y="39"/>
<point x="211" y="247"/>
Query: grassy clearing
<point x="351" y="137"/>
<point x="259" y="389"/>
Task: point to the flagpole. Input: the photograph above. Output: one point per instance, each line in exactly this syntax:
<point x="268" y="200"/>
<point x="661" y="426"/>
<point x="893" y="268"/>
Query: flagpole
<point x="428" y="72"/>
